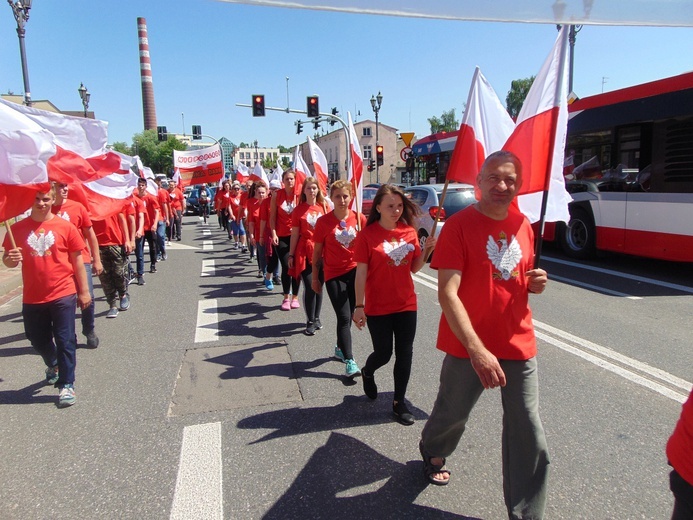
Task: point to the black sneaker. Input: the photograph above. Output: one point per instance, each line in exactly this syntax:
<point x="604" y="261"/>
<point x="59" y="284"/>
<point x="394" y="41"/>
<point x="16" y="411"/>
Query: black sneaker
<point x="140" y="280"/>
<point x="317" y="324"/>
<point x="277" y="280"/>
<point x="402" y="414"/>
<point x="92" y="339"/>
<point x="310" y="329"/>
<point x="152" y="269"/>
<point x="369" y="386"/>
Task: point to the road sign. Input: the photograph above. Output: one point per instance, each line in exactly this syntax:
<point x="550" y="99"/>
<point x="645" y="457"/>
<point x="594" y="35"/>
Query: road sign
<point x="404" y="153"/>
<point x="407" y="137"/>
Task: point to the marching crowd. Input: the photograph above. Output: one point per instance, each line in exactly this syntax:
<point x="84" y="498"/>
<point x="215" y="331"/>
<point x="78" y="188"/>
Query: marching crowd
<point x="305" y="238"/>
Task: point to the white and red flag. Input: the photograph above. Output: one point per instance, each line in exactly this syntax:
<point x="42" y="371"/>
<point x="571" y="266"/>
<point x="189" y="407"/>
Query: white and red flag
<point x="105" y="196"/>
<point x="355" y="166"/>
<point x="258" y="174"/>
<point x="242" y="173"/>
<point x="176" y="178"/>
<point x="199" y="166"/>
<point x="319" y="164"/>
<point x="485" y="128"/>
<point x="301" y="171"/>
<point x="539" y="138"/>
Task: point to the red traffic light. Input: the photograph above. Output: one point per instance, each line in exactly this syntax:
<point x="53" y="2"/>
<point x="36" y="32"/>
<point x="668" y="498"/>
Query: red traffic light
<point x="312" y="106"/>
<point x="258" y="105"/>
<point x="379" y="150"/>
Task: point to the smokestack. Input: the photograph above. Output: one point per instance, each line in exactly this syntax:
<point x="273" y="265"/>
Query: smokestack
<point x="148" y="107"/>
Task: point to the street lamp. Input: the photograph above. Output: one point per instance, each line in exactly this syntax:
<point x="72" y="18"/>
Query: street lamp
<point x="84" y="95"/>
<point x="257" y="157"/>
<point x="20" y="8"/>
<point x="376" y="103"/>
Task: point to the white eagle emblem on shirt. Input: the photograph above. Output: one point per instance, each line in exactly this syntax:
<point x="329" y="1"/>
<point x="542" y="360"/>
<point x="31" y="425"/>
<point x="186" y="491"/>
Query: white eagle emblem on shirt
<point x="397" y="250"/>
<point x="41" y="243"/>
<point x="504" y="256"/>
<point x="345" y="236"/>
<point x="312" y="218"/>
<point x="287" y="206"/>
<point x="64" y="216"/>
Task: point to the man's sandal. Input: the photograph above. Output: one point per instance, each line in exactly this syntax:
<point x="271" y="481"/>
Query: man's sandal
<point x="431" y="469"/>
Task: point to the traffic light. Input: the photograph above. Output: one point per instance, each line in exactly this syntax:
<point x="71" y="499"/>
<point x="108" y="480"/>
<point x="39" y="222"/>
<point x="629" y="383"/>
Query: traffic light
<point x="197" y="132"/>
<point x="334" y="113"/>
<point x="371" y="165"/>
<point x="316" y="123"/>
<point x="379" y="154"/>
<point x="161" y="133"/>
<point x="258" y="105"/>
<point x="299" y="127"/>
<point x="312" y="106"/>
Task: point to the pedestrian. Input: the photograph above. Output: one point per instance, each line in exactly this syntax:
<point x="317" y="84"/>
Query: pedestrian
<point x="203" y="199"/>
<point x="257" y="194"/>
<point x="177" y="202"/>
<point x="77" y="214"/>
<point x="224" y="196"/>
<point x="54" y="283"/>
<point x="334" y="248"/>
<point x="236" y="213"/>
<point x="151" y="219"/>
<point x="162" y="196"/>
<point x="387" y="252"/>
<point x="484" y="257"/>
<point x="265" y="239"/>
<point x="282" y="205"/>
<point x="680" y="455"/>
<point x="303" y="220"/>
<point x="116" y="237"/>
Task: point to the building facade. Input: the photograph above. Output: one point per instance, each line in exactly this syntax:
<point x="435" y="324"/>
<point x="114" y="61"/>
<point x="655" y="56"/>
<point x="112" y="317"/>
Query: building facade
<point x="250" y="155"/>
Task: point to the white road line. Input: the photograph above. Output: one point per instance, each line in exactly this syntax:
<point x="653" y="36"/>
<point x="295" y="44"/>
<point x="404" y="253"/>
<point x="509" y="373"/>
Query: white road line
<point x="418" y="278"/>
<point x="651" y="281"/>
<point x="207" y="245"/>
<point x="198" y="491"/>
<point x="207" y="268"/>
<point x="207" y="321"/>
<point x="597" y="288"/>
<point x="206" y="232"/>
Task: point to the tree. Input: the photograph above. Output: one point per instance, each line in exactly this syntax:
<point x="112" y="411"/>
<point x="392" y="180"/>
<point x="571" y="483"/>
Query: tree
<point x="156" y="155"/>
<point x="122" y="147"/>
<point x="269" y="163"/>
<point x="283" y="149"/>
<point x="244" y="145"/>
<point x="446" y="122"/>
<point x="519" y="89"/>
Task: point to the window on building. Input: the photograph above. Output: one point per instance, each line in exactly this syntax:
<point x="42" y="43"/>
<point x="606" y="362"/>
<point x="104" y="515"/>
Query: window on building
<point x="367" y="131"/>
<point x="367" y="152"/>
<point x="262" y="156"/>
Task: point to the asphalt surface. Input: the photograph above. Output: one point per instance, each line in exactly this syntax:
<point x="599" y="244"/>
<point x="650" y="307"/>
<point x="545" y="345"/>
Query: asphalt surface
<point x="256" y="420"/>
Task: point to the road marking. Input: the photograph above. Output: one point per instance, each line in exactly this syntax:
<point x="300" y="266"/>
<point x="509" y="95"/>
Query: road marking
<point x="422" y="279"/>
<point x="207" y="245"/>
<point x="651" y="281"/>
<point x="206" y="232"/>
<point x="207" y="321"/>
<point x="198" y="491"/>
<point x="597" y="288"/>
<point x="207" y="268"/>
<point x="636" y="371"/>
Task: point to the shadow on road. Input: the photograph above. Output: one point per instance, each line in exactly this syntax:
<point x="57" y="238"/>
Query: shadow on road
<point x="26" y="395"/>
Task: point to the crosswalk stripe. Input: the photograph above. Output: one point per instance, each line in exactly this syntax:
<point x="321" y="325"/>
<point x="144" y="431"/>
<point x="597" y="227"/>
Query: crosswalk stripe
<point x="207" y="268"/>
<point x="207" y="321"/>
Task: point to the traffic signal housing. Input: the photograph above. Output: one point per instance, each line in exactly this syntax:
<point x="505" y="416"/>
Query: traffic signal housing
<point x="379" y="154"/>
<point x="197" y="132"/>
<point x="371" y="165"/>
<point x="161" y="133"/>
<point x="299" y="127"/>
<point x="334" y="113"/>
<point x="258" y="105"/>
<point x="312" y="106"/>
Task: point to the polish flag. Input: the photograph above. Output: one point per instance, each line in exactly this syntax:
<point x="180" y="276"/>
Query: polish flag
<point x="177" y="180"/>
<point x="301" y="171"/>
<point x="278" y="171"/>
<point x="485" y="128"/>
<point x="259" y="174"/>
<point x="319" y="164"/>
<point x="80" y="143"/>
<point x="105" y="196"/>
<point x="242" y="173"/>
<point x="355" y="166"/>
<point x="539" y="138"/>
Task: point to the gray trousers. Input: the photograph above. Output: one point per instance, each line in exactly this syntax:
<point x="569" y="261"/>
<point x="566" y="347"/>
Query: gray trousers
<point x="525" y="455"/>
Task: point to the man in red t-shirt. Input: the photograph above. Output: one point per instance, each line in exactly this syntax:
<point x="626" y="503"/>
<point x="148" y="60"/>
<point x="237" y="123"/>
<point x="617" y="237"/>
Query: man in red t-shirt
<point x="177" y="202"/>
<point x="484" y="258"/>
<point x="50" y="251"/>
<point x="151" y="220"/>
<point x="164" y="217"/>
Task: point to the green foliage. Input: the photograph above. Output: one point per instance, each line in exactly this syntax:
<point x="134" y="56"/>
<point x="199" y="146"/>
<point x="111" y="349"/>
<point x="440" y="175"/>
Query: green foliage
<point x="283" y="149"/>
<point x="446" y="122"/>
<point x="122" y="147"/>
<point x="286" y="163"/>
<point x="269" y="163"/>
<point x="519" y="89"/>
<point x="244" y="145"/>
<point x="154" y="154"/>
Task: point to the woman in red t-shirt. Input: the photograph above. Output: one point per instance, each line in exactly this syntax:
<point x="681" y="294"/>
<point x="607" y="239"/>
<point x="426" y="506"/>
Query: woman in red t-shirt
<point x="387" y="252"/>
<point x="257" y="194"/>
<point x="303" y="220"/>
<point x="282" y="205"/>
<point x="224" y="196"/>
<point x="334" y="244"/>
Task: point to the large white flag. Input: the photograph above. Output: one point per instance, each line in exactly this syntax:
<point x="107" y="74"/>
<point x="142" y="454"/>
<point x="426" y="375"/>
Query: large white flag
<point x="355" y="166"/>
<point x="319" y="164"/>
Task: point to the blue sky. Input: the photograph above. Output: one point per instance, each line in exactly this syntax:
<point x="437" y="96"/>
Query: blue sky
<point x="207" y="56"/>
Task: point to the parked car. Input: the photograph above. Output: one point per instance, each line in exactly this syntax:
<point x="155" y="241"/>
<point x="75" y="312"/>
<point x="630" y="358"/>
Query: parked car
<point x="191" y="201"/>
<point x="427" y="196"/>
<point x="367" y="202"/>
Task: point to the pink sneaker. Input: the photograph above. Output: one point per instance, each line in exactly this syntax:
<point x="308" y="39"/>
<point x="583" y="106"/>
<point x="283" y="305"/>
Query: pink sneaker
<point x="295" y="304"/>
<point x="286" y="305"/>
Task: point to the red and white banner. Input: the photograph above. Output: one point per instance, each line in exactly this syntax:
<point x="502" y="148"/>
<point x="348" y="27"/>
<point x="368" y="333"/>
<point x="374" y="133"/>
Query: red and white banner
<point x="301" y="171"/>
<point x="105" y="196"/>
<point x="201" y="166"/>
<point x="258" y="174"/>
<point x="242" y="173"/>
<point x="319" y="164"/>
<point x="356" y="167"/>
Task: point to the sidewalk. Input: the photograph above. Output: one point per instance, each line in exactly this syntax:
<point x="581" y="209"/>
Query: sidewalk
<point x="10" y="279"/>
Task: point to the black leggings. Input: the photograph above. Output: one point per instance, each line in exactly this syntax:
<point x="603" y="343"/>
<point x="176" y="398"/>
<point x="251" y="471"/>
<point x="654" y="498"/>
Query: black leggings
<point x="282" y="256"/>
<point x="312" y="301"/>
<point x="401" y="326"/>
<point x="343" y="298"/>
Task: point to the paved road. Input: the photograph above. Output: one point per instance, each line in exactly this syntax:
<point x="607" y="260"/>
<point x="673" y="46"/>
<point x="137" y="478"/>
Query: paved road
<point x="206" y="401"/>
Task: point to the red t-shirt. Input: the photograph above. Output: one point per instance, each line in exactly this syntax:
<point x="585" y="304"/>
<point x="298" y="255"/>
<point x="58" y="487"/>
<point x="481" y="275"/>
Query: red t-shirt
<point x="305" y="217"/>
<point x="680" y="445"/>
<point x="264" y="217"/>
<point x="337" y="241"/>
<point x="390" y="256"/>
<point x="254" y="216"/>
<point x="493" y="257"/>
<point x="109" y="232"/>
<point x="151" y="204"/>
<point x="176" y="199"/>
<point x="77" y="214"/>
<point x="285" y="206"/>
<point x="235" y="207"/>
<point x="163" y="197"/>
<point x="47" y="272"/>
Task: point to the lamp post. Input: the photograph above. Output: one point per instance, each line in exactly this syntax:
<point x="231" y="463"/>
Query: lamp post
<point x="376" y="103"/>
<point x="257" y="157"/>
<point x="84" y="95"/>
<point x="20" y="8"/>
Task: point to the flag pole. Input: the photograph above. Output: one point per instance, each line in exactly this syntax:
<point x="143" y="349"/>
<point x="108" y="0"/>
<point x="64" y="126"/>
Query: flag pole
<point x="435" y="220"/>
<point x="9" y="234"/>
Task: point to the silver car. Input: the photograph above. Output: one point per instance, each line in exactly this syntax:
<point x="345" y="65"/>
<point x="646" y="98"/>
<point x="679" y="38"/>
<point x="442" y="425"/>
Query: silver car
<point x="427" y="196"/>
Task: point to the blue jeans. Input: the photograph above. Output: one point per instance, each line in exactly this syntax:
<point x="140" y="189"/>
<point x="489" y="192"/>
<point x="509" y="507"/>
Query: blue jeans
<point x="88" y="313"/>
<point x="237" y="228"/>
<point x="45" y="322"/>
<point x="139" y="251"/>
<point x="161" y="237"/>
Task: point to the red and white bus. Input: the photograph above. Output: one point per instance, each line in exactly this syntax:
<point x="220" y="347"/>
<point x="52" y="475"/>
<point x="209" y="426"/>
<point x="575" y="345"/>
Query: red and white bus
<point x="630" y="173"/>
